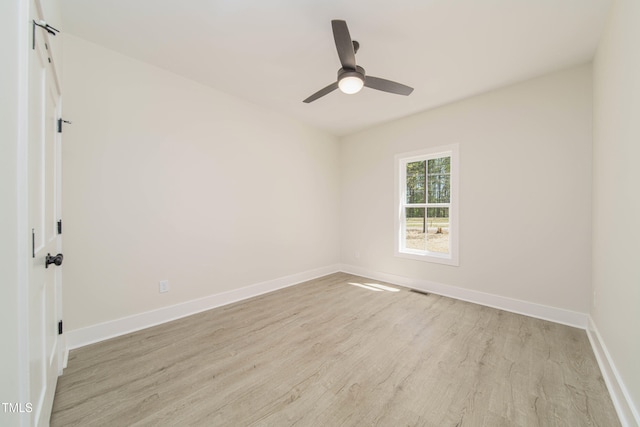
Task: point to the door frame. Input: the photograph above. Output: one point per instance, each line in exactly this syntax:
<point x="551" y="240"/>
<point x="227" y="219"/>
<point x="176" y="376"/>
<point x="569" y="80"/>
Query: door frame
<point x="22" y="168"/>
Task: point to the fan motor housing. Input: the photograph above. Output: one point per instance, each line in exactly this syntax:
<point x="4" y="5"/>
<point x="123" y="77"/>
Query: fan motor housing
<point x="345" y="72"/>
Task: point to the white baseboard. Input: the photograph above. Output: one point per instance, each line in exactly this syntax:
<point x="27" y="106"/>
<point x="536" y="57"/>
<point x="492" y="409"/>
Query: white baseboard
<point x="539" y="311"/>
<point x="102" y="331"/>
<point x="91" y="334"/>
<point x="627" y="412"/>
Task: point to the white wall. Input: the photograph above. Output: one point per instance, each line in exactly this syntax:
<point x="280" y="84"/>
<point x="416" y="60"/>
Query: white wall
<point x="616" y="195"/>
<point x="525" y="191"/>
<point x="164" y="178"/>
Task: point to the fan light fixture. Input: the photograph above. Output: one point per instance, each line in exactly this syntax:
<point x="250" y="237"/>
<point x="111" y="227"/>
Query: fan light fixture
<point x="351" y="84"/>
<point x="351" y="81"/>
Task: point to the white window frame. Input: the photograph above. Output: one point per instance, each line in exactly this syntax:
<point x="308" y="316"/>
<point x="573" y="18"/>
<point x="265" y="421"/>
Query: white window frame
<point x="401" y="161"/>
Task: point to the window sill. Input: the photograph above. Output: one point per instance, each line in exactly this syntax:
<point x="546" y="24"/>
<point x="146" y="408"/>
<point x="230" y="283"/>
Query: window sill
<point x="433" y="257"/>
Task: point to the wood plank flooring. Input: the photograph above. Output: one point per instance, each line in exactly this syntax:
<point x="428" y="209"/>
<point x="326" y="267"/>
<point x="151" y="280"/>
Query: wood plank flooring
<point x="331" y="353"/>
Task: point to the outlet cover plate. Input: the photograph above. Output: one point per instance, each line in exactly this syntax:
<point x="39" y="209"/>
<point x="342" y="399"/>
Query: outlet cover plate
<point x="163" y="286"/>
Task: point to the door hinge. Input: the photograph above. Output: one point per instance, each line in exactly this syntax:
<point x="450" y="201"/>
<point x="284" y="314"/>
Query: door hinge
<point x="60" y="122"/>
<point x="48" y="28"/>
<point x="59" y="226"/>
<point x="60" y="327"/>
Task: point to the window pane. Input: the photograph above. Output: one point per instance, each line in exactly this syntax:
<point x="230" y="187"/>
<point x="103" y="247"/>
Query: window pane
<point x="416" y="182"/>
<point x="439" y="180"/>
<point x="415" y="231"/>
<point x="437" y="230"/>
<point x="440" y="165"/>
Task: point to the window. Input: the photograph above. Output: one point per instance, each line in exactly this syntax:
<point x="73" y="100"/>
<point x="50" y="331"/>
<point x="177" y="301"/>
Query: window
<point x="427" y="205"/>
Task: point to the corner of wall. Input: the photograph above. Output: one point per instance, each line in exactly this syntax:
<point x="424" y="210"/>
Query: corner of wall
<point x="625" y="408"/>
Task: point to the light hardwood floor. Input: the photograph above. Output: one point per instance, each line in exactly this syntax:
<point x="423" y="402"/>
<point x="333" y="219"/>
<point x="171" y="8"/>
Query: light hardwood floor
<point x="330" y="353"/>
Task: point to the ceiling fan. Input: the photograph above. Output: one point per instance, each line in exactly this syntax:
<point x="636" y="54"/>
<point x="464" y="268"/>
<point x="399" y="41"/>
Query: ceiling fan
<point x="351" y="77"/>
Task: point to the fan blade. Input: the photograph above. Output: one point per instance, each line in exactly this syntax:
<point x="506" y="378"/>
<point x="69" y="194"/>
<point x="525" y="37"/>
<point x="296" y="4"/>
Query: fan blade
<point x="344" y="44"/>
<point x="387" y="85"/>
<point x="322" y="92"/>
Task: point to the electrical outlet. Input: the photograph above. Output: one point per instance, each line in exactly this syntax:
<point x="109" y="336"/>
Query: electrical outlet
<point x="163" y="286"/>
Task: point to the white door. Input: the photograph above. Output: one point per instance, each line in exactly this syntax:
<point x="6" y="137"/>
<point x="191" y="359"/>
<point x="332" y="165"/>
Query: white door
<point x="44" y="302"/>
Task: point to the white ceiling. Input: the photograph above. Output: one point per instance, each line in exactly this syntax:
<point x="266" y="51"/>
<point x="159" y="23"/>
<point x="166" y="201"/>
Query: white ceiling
<point x="276" y="53"/>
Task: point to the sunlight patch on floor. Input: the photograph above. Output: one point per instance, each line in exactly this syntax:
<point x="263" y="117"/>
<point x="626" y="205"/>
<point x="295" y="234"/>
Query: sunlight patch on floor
<point x="375" y="287"/>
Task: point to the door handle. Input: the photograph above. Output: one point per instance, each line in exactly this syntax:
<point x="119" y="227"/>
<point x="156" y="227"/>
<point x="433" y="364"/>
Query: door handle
<point x="57" y="260"/>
